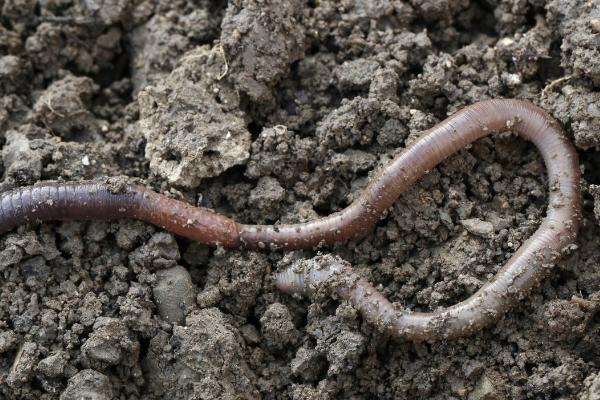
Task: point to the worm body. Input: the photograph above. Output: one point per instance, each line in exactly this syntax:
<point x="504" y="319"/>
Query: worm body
<point x="434" y="146"/>
<point x="62" y="201"/>
<point x="521" y="272"/>
<point x="95" y="200"/>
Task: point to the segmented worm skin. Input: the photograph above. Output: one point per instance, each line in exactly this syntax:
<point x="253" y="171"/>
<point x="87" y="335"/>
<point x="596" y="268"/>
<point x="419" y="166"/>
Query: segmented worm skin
<point x="63" y="201"/>
<point x="96" y="200"/>
<point x="522" y="271"/>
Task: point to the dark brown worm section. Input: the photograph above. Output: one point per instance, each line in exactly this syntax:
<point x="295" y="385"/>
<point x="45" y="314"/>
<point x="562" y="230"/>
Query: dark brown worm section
<point x="95" y="200"/>
<point x="64" y="201"/>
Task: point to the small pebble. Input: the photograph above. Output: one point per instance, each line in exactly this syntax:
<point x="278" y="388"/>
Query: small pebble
<point x="174" y="294"/>
<point x="595" y="23"/>
<point x="478" y="227"/>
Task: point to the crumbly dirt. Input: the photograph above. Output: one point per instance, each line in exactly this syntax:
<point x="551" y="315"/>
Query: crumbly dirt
<point x="273" y="112"/>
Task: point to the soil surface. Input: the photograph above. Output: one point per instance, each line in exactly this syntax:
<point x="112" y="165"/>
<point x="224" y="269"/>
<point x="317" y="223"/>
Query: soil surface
<point x="269" y="111"/>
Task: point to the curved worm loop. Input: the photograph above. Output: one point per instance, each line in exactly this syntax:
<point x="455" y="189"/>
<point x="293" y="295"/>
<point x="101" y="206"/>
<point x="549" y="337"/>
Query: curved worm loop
<point x="95" y="200"/>
<point x="522" y="271"/>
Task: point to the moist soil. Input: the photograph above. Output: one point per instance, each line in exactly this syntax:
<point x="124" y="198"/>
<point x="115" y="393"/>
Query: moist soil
<point x="280" y="112"/>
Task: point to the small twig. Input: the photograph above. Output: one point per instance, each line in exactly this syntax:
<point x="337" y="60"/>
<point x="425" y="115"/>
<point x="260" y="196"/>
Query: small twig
<point x="67" y="20"/>
<point x="553" y="83"/>
<point x="49" y="105"/>
<point x="585" y="305"/>
<point x="221" y="50"/>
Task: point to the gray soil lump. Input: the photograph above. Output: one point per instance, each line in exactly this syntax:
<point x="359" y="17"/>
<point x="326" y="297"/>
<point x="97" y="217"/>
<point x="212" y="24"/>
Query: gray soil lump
<point x="233" y="282"/>
<point x="581" y="44"/>
<point x="191" y="121"/>
<point x="20" y="162"/>
<point x="22" y="368"/>
<point x="261" y="46"/>
<point x="161" y="251"/>
<point x="162" y="40"/>
<point x="111" y="343"/>
<point x="204" y="360"/>
<point x="65" y="104"/>
<point x="278" y="327"/>
<point x="88" y="384"/>
<point x="580" y="109"/>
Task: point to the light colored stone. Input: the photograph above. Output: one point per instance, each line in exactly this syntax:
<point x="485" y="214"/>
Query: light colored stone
<point x="174" y="294"/>
<point x="478" y="227"/>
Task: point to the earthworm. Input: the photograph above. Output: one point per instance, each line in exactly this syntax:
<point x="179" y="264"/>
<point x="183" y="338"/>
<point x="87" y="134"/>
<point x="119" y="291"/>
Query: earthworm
<point x="521" y="272"/>
<point x="97" y="200"/>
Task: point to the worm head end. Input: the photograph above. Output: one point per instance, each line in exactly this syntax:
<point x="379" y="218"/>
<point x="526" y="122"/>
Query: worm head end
<point x="292" y="282"/>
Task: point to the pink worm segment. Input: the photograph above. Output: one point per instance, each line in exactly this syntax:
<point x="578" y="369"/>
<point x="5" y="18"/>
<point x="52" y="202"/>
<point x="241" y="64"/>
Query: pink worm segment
<point x="522" y="271"/>
<point x="96" y="200"/>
